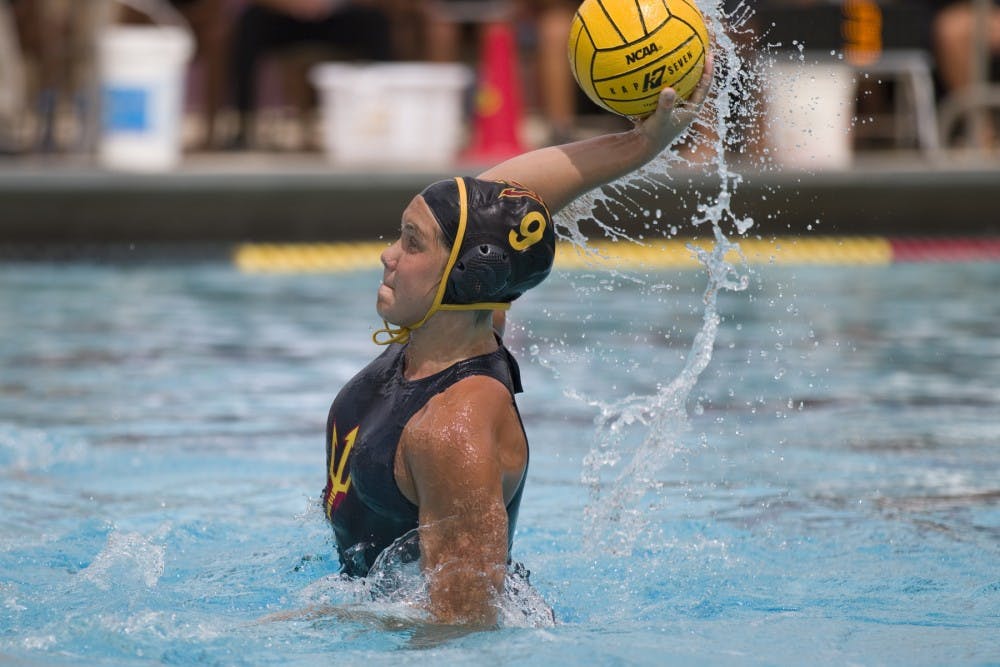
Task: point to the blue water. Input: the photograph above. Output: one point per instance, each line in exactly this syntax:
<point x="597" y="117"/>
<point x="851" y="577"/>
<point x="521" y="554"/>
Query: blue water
<point x="832" y="494"/>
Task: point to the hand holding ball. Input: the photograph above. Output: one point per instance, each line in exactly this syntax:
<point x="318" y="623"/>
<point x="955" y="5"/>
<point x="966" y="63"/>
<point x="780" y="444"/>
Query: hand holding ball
<point x="624" y="52"/>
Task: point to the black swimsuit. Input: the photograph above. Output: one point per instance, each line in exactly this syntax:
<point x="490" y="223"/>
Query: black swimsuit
<point x="366" y="420"/>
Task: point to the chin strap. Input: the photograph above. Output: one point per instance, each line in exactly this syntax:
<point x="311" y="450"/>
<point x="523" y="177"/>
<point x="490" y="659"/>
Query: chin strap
<point x="400" y="335"/>
<point x="387" y="335"/>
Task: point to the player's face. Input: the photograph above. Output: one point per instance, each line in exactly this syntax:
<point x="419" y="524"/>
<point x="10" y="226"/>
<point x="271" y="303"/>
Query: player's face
<point x="413" y="267"/>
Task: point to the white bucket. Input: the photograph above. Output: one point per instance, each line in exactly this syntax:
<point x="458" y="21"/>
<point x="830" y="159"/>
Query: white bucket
<point x="143" y="73"/>
<point x="392" y="114"/>
<point x="810" y="113"/>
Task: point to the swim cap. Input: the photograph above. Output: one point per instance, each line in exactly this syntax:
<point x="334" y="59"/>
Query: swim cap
<point x="505" y="246"/>
<point x="502" y="244"/>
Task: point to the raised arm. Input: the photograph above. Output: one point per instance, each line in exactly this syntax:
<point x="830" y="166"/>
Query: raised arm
<point x="560" y="174"/>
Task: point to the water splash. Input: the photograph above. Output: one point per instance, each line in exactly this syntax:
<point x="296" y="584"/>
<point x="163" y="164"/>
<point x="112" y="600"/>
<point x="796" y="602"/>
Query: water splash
<point x="128" y="557"/>
<point x="639" y="435"/>
<point x="396" y="582"/>
<point x="727" y="125"/>
<point x="28" y="450"/>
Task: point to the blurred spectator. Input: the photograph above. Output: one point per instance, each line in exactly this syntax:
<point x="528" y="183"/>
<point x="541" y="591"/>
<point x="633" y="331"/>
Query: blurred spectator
<point x="210" y="23"/>
<point x="557" y="89"/>
<point x="953" y="30"/>
<point x="349" y="28"/>
<point x="446" y="23"/>
<point x="58" y="40"/>
<point x="12" y="81"/>
<point x="406" y="17"/>
<point x="547" y="23"/>
<point x="954" y="33"/>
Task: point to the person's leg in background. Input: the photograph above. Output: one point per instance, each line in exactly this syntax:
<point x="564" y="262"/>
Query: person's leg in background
<point x="953" y="29"/>
<point x="12" y="81"/>
<point x="258" y="30"/>
<point x="210" y="24"/>
<point x="51" y="34"/>
<point x="362" y="30"/>
<point x="557" y="90"/>
<point x="406" y="19"/>
<point x="548" y="23"/>
<point x="442" y="33"/>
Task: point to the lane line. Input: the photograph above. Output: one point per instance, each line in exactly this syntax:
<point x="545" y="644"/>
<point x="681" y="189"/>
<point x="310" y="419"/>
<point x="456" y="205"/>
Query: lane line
<point x="670" y="254"/>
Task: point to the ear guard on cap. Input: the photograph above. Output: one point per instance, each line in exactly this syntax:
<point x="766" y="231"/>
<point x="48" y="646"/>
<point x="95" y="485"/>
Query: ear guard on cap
<point x="480" y="272"/>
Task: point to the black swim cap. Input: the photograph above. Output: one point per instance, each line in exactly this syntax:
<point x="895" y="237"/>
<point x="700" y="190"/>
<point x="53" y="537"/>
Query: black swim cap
<point x="501" y="244"/>
<point x="506" y="243"/>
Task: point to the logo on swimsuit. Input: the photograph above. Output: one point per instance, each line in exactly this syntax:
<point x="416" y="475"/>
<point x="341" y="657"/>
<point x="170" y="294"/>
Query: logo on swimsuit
<point x="338" y="479"/>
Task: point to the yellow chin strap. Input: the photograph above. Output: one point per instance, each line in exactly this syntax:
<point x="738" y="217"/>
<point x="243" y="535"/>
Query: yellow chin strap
<point x="387" y="335"/>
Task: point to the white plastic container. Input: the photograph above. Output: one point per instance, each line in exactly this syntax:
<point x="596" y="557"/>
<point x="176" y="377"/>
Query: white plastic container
<point x="392" y="114"/>
<point x="143" y="72"/>
<point x="811" y="109"/>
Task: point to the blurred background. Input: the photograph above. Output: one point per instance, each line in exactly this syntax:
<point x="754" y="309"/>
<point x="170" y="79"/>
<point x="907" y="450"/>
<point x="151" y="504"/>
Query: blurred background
<point x="353" y="103"/>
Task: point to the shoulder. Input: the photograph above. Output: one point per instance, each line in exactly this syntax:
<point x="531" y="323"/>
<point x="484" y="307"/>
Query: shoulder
<point x="473" y="407"/>
<point x="467" y="435"/>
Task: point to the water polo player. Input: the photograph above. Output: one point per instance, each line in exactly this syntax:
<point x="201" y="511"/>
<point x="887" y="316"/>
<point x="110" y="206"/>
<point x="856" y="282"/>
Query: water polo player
<point x="428" y="435"/>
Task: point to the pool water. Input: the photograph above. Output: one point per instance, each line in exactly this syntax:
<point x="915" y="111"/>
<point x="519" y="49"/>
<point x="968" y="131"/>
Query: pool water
<point x="830" y="492"/>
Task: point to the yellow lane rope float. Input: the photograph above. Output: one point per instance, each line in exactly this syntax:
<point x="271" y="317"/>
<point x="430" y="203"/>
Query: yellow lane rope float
<point x="600" y="255"/>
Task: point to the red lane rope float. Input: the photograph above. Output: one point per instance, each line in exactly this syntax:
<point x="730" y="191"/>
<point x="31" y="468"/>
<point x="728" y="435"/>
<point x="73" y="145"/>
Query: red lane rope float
<point x="945" y="249"/>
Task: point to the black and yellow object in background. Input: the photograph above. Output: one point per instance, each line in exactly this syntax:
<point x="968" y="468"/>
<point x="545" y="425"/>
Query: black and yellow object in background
<point x="861" y="30"/>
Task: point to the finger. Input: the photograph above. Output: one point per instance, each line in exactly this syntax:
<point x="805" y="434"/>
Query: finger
<point x="701" y="90"/>
<point x="668" y="99"/>
<point x="665" y="103"/>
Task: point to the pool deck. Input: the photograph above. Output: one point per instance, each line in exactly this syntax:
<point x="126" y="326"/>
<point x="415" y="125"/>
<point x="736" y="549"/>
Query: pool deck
<point x="239" y="198"/>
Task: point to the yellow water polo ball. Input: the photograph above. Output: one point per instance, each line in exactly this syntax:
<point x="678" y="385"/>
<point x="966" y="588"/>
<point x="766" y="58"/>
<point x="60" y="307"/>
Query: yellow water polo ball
<point x="624" y="52"/>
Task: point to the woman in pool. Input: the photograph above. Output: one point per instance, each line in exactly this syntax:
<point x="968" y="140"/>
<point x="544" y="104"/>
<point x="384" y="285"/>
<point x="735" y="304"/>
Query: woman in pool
<point x="428" y="435"/>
